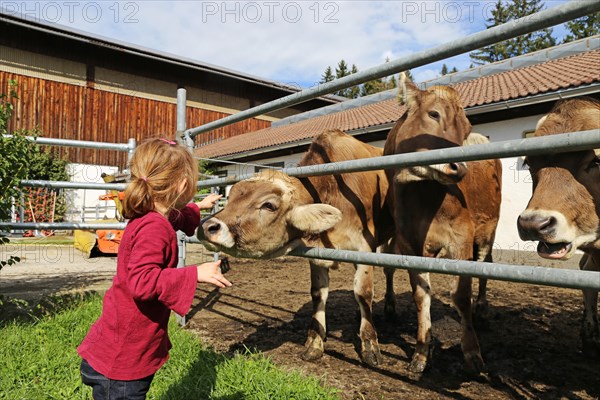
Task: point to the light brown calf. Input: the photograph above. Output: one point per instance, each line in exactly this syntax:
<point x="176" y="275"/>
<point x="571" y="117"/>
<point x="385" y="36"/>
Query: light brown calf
<point x="564" y="211"/>
<point x="442" y="211"/>
<point x="270" y="214"/>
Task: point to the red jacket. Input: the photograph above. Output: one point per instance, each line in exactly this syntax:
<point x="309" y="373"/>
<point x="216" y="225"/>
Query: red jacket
<point x="130" y="341"/>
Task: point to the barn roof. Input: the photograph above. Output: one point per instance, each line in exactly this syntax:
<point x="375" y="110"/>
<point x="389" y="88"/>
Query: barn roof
<point x="503" y="82"/>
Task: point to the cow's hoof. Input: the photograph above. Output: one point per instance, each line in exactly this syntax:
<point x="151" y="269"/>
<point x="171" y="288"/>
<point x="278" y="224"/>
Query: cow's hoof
<point x="417" y="365"/>
<point x="474" y="364"/>
<point x="371" y="355"/>
<point x="312" y="354"/>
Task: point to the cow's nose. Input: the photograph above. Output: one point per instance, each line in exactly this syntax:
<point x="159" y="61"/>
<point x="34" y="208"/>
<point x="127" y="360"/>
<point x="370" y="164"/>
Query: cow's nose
<point x="535" y="226"/>
<point x="457" y="170"/>
<point x="213" y="227"/>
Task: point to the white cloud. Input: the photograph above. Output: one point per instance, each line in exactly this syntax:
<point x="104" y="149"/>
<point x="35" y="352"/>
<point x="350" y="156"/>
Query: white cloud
<point x="285" y="41"/>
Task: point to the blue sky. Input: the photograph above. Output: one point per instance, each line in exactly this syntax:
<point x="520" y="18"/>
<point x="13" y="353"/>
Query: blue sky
<point x="291" y="42"/>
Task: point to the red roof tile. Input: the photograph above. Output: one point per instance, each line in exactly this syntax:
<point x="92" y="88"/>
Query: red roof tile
<point x="549" y="76"/>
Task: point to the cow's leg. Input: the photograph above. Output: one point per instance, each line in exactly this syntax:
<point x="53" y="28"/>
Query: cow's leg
<point x="389" y="307"/>
<point x="363" y="293"/>
<point x="590" y="332"/>
<point x="470" y="346"/>
<point x="319" y="290"/>
<point x="421" y="289"/>
<point x="481" y="308"/>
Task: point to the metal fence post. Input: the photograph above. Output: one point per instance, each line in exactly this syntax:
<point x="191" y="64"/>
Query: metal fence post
<point x="181" y="126"/>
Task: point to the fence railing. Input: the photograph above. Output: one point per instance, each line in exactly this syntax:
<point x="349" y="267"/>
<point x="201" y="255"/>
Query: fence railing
<point x="573" y="141"/>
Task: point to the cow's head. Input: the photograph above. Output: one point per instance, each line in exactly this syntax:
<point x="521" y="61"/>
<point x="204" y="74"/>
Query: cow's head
<point x="564" y="211"/>
<point x="266" y="216"/>
<point x="434" y="119"/>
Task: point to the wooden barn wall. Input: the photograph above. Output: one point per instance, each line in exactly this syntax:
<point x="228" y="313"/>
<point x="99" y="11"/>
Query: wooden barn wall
<point x="67" y="111"/>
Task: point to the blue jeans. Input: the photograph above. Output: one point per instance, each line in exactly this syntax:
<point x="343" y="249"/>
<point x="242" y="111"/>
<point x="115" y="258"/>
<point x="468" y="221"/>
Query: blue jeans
<point x="104" y="388"/>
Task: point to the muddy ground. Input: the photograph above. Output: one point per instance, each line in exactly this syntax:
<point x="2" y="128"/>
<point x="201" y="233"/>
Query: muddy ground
<point x="531" y="343"/>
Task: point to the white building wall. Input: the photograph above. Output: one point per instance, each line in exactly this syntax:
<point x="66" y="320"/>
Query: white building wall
<point x="84" y="204"/>
<point x="516" y="181"/>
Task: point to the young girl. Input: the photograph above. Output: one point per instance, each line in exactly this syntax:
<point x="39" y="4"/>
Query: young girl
<point x="129" y="342"/>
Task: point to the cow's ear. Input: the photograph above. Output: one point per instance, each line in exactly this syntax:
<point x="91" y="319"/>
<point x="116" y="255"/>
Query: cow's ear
<point x="408" y="92"/>
<point x="314" y="218"/>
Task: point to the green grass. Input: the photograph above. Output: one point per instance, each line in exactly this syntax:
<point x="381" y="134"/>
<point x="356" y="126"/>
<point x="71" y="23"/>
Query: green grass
<point x="38" y="360"/>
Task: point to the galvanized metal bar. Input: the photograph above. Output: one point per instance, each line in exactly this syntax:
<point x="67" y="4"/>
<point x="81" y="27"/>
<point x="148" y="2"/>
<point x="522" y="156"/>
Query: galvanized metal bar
<point x="543" y="19"/>
<point x="185" y="140"/>
<point x="565" y="142"/>
<point x="558" y="277"/>
<point x="79" y="143"/>
<point x="182" y="136"/>
<point x="132" y="143"/>
<point x="73" y="185"/>
<point x="62" y="225"/>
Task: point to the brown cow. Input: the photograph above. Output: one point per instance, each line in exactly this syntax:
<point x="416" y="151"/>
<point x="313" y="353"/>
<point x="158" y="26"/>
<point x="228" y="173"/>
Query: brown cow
<point x="444" y="210"/>
<point x="564" y="211"/>
<point x="270" y="214"/>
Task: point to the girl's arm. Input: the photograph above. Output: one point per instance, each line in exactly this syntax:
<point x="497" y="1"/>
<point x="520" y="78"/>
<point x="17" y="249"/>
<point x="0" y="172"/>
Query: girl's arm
<point x="209" y="201"/>
<point x="186" y="219"/>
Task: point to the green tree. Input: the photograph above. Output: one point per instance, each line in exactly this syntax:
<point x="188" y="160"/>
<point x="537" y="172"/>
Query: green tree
<point x="508" y="11"/>
<point x="353" y="91"/>
<point x="327" y="76"/>
<point x="20" y="159"/>
<point x="367" y="88"/>
<point x="583" y="27"/>
<point x="341" y="71"/>
<point x="532" y="41"/>
<point x="444" y="70"/>
<point x="497" y="51"/>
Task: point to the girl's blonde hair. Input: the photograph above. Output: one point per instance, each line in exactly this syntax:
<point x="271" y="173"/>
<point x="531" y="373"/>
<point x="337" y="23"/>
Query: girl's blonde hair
<point x="158" y="169"/>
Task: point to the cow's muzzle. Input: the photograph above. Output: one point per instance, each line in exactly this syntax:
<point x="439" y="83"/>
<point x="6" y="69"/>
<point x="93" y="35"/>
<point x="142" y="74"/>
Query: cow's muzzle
<point x="215" y="232"/>
<point x="542" y="227"/>
<point x="446" y="174"/>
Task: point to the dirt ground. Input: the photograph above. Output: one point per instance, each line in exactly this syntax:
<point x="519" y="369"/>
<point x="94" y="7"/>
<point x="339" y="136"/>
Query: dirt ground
<point x="530" y="343"/>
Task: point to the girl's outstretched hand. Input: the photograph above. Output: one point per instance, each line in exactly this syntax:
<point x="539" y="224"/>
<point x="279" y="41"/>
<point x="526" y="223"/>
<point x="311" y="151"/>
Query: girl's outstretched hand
<point x="210" y="272"/>
<point x="209" y="201"/>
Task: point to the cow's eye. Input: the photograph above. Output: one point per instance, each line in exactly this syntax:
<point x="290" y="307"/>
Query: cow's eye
<point x="434" y="115"/>
<point x="268" y="206"/>
<point x="595" y="163"/>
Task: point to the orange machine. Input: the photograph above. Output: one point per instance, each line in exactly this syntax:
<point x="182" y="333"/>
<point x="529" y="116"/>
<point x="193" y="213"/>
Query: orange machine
<point x="103" y="242"/>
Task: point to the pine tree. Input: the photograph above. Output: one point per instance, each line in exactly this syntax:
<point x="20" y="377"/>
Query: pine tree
<point x="531" y="41"/>
<point x="444" y="70"/>
<point x="504" y="12"/>
<point x="327" y="76"/>
<point x="497" y="51"/>
<point x="342" y="69"/>
<point x="354" y="91"/>
<point x="583" y="27"/>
